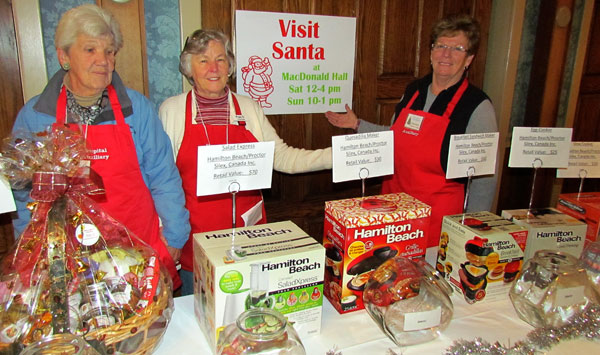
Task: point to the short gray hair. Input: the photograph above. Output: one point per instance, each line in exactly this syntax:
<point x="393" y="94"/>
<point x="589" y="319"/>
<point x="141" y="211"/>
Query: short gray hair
<point x="88" y="19"/>
<point x="197" y="43"/>
<point x="452" y="25"/>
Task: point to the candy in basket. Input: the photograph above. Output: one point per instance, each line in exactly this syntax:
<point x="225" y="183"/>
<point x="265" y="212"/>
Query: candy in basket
<point x="75" y="271"/>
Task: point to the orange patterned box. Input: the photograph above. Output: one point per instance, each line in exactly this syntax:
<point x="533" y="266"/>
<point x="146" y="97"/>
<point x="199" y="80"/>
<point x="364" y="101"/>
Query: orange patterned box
<point x="361" y="233"/>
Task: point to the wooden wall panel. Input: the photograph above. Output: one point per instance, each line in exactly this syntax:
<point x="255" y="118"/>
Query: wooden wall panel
<point x="392" y="49"/>
<point x="11" y="99"/>
<point x="132" y="61"/>
<point x="399" y="52"/>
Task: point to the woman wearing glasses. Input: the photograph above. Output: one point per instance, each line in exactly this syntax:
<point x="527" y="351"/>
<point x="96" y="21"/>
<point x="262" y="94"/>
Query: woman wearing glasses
<point x="432" y="109"/>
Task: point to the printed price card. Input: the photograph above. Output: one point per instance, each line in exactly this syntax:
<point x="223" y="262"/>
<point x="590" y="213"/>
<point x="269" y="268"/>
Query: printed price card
<point x="234" y="167"/>
<point x="584" y="161"/>
<point x="472" y="155"/>
<point x="7" y="201"/>
<point x="423" y="319"/>
<point x="569" y="296"/>
<point x="363" y="155"/>
<point x="540" y="147"/>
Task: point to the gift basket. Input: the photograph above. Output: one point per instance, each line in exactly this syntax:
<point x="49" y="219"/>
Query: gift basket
<point x="75" y="272"/>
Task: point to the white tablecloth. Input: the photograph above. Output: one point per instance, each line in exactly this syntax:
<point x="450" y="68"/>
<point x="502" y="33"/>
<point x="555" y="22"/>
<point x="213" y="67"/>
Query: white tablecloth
<point x="356" y="333"/>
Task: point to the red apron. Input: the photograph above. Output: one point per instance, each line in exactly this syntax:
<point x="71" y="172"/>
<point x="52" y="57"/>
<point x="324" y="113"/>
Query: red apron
<point x="209" y="213"/>
<point x="418" y="137"/>
<point x="127" y="199"/>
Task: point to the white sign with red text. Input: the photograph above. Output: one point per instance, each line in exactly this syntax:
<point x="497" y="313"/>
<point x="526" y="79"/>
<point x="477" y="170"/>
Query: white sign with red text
<point x="295" y="63"/>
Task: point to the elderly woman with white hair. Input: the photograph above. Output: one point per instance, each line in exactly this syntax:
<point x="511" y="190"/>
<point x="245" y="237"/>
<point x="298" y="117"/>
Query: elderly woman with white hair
<point x="211" y="113"/>
<point x="134" y="156"/>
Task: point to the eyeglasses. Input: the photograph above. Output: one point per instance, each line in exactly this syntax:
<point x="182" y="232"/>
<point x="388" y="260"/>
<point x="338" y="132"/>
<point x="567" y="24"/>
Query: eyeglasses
<point x="454" y="49"/>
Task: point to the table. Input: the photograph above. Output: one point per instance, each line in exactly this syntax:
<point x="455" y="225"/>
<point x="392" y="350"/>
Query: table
<point x="356" y="334"/>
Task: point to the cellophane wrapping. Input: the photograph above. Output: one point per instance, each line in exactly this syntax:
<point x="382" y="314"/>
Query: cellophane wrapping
<point x="75" y="269"/>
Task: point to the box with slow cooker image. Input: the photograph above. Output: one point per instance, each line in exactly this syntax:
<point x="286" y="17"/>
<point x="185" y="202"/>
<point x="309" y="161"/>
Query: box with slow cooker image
<point x="275" y="265"/>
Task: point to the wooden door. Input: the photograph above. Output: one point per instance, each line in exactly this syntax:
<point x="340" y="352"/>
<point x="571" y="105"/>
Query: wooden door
<point x="392" y="49"/>
<point x="10" y="98"/>
<point x="586" y="126"/>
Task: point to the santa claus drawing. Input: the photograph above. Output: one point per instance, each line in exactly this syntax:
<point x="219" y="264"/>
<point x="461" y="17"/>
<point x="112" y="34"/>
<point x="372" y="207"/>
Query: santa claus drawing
<point x="257" y="79"/>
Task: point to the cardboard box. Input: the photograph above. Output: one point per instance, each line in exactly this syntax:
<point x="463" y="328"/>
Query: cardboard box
<point x="275" y="265"/>
<point x="480" y="254"/>
<point x="549" y="229"/>
<point x="361" y="233"/>
<point x="586" y="208"/>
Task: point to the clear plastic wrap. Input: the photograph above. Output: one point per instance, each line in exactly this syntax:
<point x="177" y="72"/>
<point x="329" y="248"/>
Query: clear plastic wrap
<point x="74" y="269"/>
<point x="408" y="300"/>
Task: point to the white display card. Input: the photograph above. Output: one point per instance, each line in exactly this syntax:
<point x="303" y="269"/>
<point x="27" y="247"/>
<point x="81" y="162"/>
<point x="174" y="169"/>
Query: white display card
<point x="422" y="320"/>
<point x="7" y="201"/>
<point x="472" y="155"/>
<point x="363" y="155"/>
<point x="540" y="147"/>
<point x="584" y="161"/>
<point x="234" y="167"/>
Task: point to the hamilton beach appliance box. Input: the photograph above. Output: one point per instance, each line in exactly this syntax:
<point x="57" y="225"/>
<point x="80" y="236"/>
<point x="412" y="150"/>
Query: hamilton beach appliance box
<point x="585" y="207"/>
<point x="549" y="229"/>
<point x="275" y="265"/>
<point x="480" y="254"/>
<point x="361" y="233"/>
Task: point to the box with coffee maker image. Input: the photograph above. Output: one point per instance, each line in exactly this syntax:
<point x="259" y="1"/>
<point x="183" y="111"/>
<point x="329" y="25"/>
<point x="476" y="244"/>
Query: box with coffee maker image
<point x="275" y="265"/>
<point x="480" y="254"/>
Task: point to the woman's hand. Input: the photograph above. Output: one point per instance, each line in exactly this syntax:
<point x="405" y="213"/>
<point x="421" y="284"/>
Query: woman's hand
<point x="343" y="120"/>
<point x="174" y="252"/>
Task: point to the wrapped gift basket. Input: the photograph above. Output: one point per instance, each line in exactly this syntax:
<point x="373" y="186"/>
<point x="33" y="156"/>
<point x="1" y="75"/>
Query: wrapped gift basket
<point x="75" y="271"/>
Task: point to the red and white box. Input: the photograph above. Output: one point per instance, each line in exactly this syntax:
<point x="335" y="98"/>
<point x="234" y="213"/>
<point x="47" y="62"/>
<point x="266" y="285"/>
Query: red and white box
<point x="585" y="207"/>
<point x="361" y="233"/>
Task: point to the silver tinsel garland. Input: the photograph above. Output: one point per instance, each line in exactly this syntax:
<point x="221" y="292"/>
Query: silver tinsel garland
<point x="584" y="325"/>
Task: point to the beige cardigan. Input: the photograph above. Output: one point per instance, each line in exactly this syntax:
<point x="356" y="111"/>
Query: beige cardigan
<point x="287" y="159"/>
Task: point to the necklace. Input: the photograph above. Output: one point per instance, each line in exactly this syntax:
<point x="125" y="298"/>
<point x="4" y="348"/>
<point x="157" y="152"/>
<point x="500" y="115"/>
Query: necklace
<point x="82" y="114"/>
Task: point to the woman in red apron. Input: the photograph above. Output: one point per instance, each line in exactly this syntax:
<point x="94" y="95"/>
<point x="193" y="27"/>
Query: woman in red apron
<point x="432" y="109"/>
<point x="81" y="95"/>
<point x="212" y="114"/>
<point x="122" y="178"/>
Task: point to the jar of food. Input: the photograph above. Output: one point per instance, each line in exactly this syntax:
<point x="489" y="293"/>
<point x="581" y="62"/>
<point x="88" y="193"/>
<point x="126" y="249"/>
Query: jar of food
<point x="60" y="344"/>
<point x="260" y="331"/>
<point x="408" y="300"/>
<point x="552" y="289"/>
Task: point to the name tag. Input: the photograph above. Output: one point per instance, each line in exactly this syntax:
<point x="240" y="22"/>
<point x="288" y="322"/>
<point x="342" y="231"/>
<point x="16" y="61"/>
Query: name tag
<point x="241" y="121"/>
<point x="413" y="122"/>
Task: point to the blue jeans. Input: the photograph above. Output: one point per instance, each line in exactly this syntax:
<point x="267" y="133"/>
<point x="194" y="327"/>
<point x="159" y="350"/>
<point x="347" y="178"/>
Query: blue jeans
<point x="187" y="280"/>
